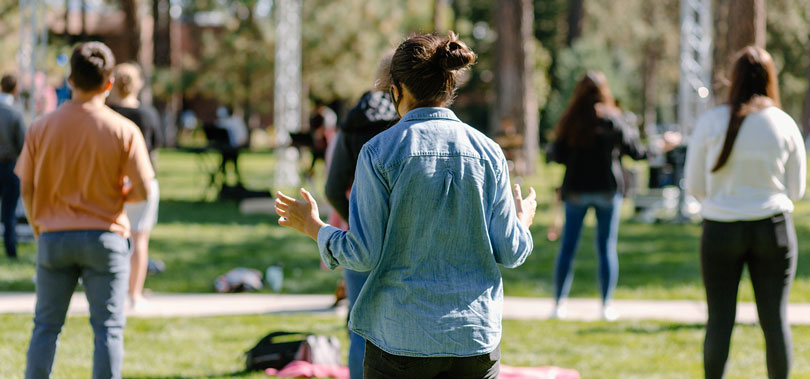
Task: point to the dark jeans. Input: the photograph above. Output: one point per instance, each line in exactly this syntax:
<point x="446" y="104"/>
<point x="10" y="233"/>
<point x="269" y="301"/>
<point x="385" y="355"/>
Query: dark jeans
<point x="10" y="193"/>
<point x="769" y="249"/>
<point x="607" y="207"/>
<point x="380" y="365"/>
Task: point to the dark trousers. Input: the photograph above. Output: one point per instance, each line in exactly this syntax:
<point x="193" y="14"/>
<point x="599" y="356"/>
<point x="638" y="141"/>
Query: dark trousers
<point x="768" y="247"/>
<point x="381" y="365"/>
<point x="10" y="193"/>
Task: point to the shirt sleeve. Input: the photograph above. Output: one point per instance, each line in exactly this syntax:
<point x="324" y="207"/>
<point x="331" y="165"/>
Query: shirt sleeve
<point x="360" y="247"/>
<point x="138" y="168"/>
<point x="796" y="166"/>
<point x="25" y="163"/>
<point x="557" y="151"/>
<point x="695" y="170"/>
<point x="631" y="141"/>
<point x="155" y="126"/>
<point x="20" y="136"/>
<point x="511" y="241"/>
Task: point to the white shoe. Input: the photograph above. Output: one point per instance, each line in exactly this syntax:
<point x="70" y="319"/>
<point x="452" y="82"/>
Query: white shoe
<point x="609" y="313"/>
<point x="559" y="312"/>
<point x="137" y="304"/>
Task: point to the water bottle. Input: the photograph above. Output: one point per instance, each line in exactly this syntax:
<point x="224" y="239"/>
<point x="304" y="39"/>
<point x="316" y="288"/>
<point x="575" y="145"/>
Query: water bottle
<point x="274" y="278"/>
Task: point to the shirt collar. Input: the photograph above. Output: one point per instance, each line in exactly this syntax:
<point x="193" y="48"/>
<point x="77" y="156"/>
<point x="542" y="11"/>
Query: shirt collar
<point x="6" y="99"/>
<point x="428" y="113"/>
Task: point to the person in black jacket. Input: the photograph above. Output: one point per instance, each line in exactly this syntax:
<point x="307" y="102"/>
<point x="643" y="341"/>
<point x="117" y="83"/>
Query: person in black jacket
<point x="591" y="139"/>
<point x="374" y="113"/>
<point x="12" y="137"/>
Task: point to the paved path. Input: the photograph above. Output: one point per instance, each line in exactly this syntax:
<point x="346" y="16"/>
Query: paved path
<point x="524" y="308"/>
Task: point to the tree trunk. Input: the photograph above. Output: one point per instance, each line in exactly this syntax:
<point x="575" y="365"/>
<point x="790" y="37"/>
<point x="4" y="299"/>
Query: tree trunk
<point x="652" y="54"/>
<point x="720" y="54"/>
<point x="83" y="32"/>
<point x="516" y="102"/>
<point x="162" y="58"/>
<point x="650" y="81"/>
<point x="67" y="18"/>
<point x="440" y="16"/>
<point x="804" y="123"/>
<point x="132" y="29"/>
<point x="746" y="24"/>
<point x="161" y="34"/>
<point x="575" y="15"/>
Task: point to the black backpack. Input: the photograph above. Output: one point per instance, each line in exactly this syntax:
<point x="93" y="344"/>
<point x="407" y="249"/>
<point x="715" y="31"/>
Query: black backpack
<point x="270" y="353"/>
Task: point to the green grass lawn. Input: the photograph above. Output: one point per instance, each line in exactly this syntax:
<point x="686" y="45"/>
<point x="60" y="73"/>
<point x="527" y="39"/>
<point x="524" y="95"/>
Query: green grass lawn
<point x="212" y="346"/>
<point x="200" y="240"/>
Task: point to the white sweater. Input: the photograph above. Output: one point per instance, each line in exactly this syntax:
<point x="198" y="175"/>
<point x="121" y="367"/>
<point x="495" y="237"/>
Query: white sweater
<point x="764" y="174"/>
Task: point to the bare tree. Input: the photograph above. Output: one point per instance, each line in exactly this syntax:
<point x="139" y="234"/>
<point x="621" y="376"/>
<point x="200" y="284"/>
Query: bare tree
<point x="515" y="99"/>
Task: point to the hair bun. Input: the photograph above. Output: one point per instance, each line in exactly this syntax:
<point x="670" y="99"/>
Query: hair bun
<point x="452" y="54"/>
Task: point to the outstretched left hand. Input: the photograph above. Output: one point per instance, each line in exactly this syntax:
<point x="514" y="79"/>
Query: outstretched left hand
<point x="300" y="215"/>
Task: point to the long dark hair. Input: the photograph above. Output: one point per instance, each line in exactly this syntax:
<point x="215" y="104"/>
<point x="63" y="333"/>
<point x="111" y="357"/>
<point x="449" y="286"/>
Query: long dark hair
<point x="754" y="86"/>
<point x="579" y="120"/>
<point x="428" y="65"/>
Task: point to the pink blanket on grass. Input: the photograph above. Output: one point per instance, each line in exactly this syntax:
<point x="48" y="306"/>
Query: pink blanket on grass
<point x="301" y="369"/>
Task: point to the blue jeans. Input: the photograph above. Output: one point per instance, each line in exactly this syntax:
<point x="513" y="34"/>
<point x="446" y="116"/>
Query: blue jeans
<point x="357" y="345"/>
<point x="607" y="207"/>
<point x="10" y="193"/>
<point x="101" y="259"/>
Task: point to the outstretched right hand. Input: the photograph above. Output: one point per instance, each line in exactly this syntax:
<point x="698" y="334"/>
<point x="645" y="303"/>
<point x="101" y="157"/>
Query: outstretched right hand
<point x="525" y="207"/>
<point x="300" y="215"/>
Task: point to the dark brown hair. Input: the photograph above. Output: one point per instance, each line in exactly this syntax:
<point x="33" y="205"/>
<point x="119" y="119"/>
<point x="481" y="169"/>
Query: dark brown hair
<point x="578" y="123"/>
<point x="754" y="86"/>
<point x="8" y="84"/>
<point x="91" y="65"/>
<point x="428" y="66"/>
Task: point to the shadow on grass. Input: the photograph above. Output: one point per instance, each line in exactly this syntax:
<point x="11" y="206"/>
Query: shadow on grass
<point x="635" y="329"/>
<point x="649" y="255"/>
<point x="196" y="256"/>
<point x="205" y="212"/>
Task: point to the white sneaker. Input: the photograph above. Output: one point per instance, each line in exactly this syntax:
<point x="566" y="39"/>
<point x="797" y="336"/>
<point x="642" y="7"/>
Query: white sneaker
<point x="137" y="304"/>
<point x="559" y="312"/>
<point x="609" y="313"/>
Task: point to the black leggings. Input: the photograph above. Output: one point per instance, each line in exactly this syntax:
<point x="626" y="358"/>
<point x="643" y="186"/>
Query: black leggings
<point x="769" y="249"/>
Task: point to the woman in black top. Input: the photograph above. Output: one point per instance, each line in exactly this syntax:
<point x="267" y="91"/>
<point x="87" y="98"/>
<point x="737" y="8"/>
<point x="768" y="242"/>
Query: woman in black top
<point x="142" y="215"/>
<point x="591" y="138"/>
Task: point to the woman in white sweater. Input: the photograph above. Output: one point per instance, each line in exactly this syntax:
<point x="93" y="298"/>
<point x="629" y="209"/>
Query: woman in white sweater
<point x="746" y="164"/>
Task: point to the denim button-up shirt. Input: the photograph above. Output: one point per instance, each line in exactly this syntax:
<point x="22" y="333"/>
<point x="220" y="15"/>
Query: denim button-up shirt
<point x="431" y="216"/>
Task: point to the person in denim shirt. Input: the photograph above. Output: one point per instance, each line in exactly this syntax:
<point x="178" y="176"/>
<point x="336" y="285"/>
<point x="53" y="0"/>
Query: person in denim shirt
<point x="431" y="216"/>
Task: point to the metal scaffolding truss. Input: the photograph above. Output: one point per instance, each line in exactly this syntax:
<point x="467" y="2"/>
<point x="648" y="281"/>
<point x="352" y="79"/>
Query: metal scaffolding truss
<point x="33" y="51"/>
<point x="694" y="89"/>
<point x="287" y="88"/>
